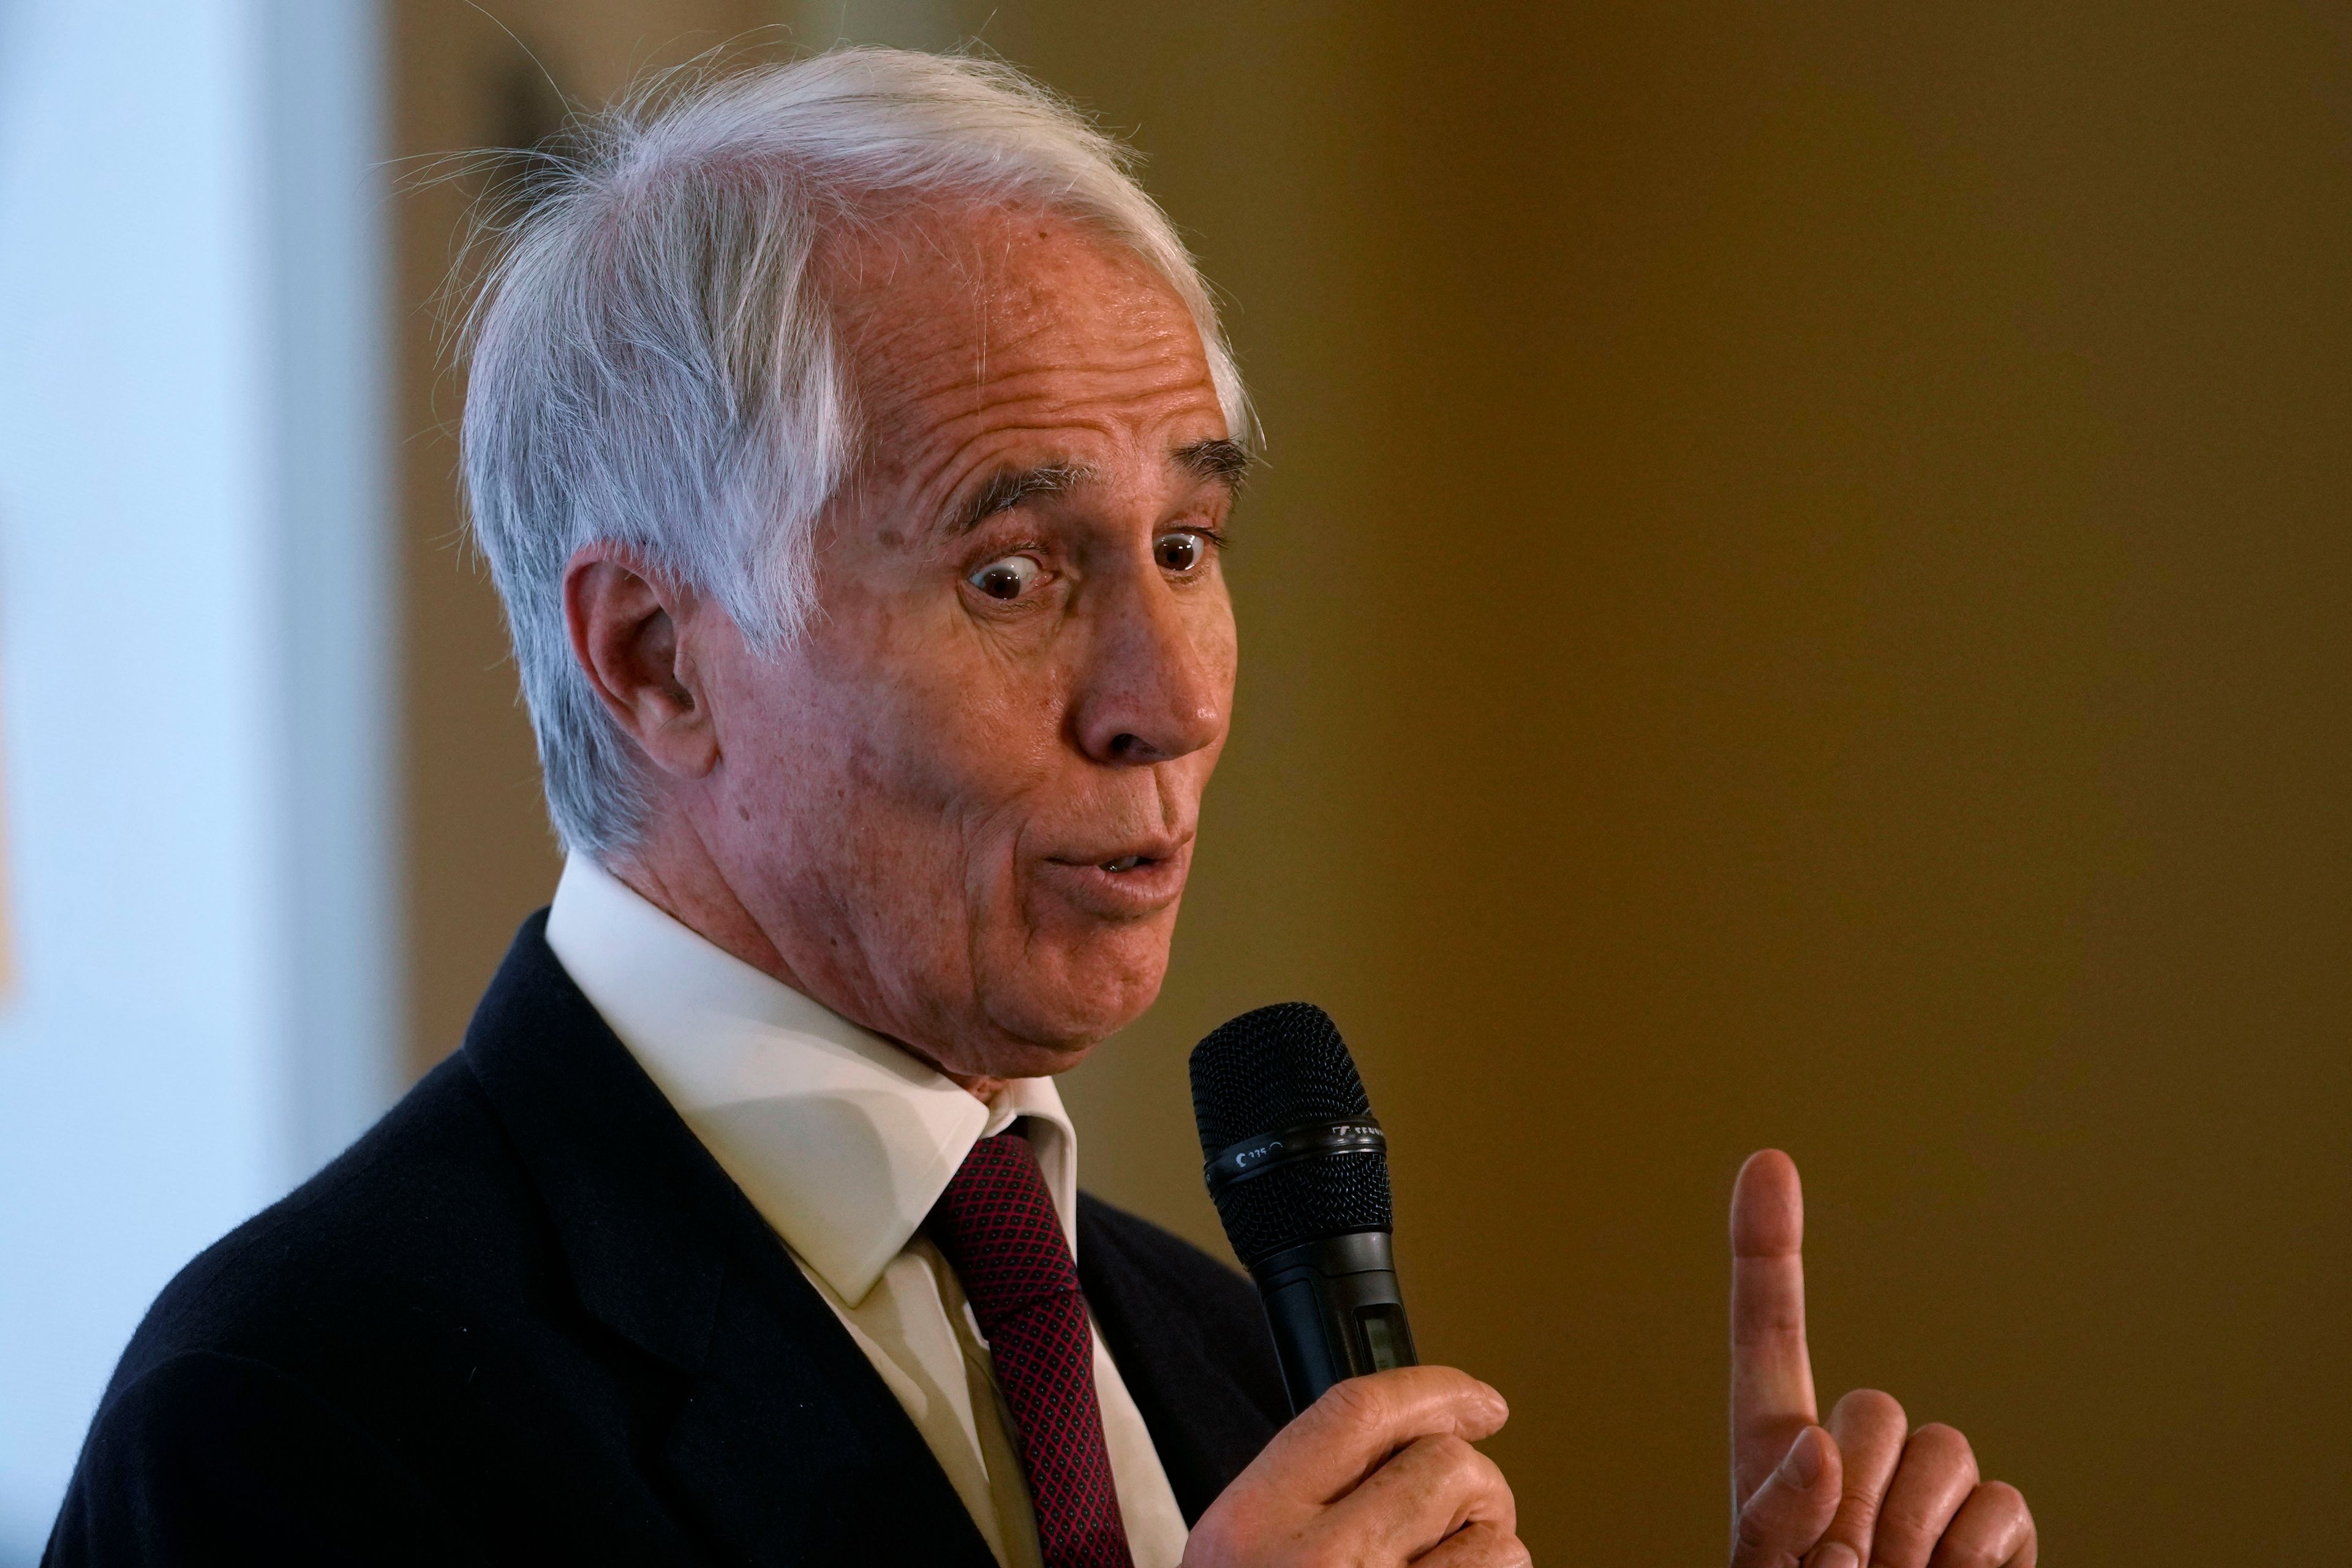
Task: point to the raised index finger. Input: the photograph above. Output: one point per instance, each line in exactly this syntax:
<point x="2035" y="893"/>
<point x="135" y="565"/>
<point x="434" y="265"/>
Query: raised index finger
<point x="1772" y="1376"/>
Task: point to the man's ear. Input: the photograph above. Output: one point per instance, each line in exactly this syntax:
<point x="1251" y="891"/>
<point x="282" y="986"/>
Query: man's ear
<point x="628" y="626"/>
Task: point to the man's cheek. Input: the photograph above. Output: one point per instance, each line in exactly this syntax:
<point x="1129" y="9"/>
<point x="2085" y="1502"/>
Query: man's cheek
<point x="944" y="728"/>
<point x="985" y="761"/>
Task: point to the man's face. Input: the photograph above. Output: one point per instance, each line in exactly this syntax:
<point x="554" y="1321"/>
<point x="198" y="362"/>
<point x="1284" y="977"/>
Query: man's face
<point x="962" y="806"/>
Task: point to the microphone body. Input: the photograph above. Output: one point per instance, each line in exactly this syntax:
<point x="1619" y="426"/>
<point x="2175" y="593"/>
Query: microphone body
<point x="1335" y="1312"/>
<point x="1299" y="1169"/>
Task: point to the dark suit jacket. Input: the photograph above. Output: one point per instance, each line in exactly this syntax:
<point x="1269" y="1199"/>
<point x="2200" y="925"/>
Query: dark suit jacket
<point x="529" y="1318"/>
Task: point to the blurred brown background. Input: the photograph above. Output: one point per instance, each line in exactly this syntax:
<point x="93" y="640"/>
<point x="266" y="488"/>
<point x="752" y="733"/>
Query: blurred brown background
<point x="1800" y="595"/>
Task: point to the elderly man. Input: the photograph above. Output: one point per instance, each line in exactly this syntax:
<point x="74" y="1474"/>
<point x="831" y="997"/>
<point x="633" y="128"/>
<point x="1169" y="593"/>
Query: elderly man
<point x="854" y="444"/>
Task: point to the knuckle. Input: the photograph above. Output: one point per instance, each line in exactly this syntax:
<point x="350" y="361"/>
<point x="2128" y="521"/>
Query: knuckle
<point x="1480" y="1545"/>
<point x="1857" y="1514"/>
<point x="1483" y="1478"/>
<point x="1449" y="1445"/>
<point x="1901" y="1552"/>
<point x="1902" y="1538"/>
<point x="1905" y="1518"/>
<point x="1757" y="1540"/>
<point x="1872" y="1406"/>
<point x="1357" y="1403"/>
<point x="1995" y="1530"/>
<point x="1942" y="1436"/>
<point x="1504" y="1549"/>
<point x="1452" y="1456"/>
<point x="1986" y="1539"/>
<point x="2007" y="1498"/>
<point x="1942" y="1447"/>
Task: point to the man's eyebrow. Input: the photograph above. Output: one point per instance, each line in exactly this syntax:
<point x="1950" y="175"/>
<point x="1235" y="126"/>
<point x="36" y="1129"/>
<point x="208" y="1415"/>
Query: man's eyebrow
<point x="1009" y="487"/>
<point x="1220" y="461"/>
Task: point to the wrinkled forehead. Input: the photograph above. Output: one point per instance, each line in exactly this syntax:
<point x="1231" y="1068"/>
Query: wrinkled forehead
<point x="939" y="314"/>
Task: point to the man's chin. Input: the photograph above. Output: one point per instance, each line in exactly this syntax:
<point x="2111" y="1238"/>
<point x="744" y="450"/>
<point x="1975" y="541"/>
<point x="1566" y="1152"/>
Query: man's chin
<point x="1047" y="1017"/>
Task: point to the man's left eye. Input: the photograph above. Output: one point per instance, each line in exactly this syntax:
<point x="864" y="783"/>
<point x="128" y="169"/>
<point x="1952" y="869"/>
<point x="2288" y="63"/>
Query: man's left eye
<point x="1179" y="552"/>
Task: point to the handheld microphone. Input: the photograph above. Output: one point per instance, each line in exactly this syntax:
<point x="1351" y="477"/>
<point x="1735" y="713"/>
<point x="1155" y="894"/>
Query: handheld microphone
<point x="1299" y="1172"/>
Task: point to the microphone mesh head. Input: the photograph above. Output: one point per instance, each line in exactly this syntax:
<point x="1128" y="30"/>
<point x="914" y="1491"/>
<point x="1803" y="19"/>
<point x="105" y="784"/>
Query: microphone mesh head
<point x="1268" y="1071"/>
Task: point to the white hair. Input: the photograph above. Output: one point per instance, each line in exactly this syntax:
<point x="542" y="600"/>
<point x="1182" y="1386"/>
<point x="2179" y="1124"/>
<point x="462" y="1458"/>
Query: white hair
<point x="652" y="360"/>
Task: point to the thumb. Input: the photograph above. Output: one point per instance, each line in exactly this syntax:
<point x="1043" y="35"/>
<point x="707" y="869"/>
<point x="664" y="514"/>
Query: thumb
<point x="1792" y="1508"/>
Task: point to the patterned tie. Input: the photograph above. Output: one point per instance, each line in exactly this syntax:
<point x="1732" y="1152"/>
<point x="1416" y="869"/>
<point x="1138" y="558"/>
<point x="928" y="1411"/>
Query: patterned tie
<point x="998" y="1227"/>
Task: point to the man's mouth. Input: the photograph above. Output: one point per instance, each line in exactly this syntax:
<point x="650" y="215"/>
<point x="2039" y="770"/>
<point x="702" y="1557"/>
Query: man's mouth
<point x="1138" y="852"/>
<point x="1123" y="881"/>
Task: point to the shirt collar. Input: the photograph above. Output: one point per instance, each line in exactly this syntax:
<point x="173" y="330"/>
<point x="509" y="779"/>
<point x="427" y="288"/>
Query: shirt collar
<point x="840" y="1137"/>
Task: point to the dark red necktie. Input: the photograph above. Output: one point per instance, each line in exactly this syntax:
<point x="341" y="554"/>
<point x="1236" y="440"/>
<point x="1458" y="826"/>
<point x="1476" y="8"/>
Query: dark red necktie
<point x="998" y="1227"/>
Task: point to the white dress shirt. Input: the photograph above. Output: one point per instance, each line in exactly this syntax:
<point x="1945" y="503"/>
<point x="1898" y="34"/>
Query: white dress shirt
<point x="843" y="1141"/>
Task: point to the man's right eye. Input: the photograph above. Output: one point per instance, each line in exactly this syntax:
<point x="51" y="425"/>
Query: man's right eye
<point x="1007" y="578"/>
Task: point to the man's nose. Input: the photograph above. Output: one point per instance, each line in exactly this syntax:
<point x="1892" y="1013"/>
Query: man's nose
<point x="1158" y="680"/>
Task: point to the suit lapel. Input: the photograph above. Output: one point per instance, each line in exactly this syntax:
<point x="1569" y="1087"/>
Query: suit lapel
<point x="787" y="1446"/>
